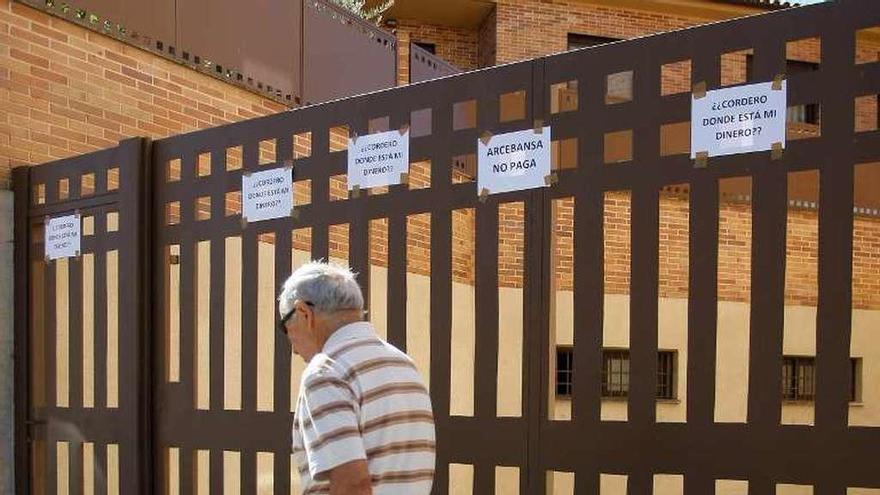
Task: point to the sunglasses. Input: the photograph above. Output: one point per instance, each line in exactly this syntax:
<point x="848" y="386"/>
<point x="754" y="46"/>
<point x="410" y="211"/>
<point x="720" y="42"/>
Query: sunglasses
<point x="282" y="324"/>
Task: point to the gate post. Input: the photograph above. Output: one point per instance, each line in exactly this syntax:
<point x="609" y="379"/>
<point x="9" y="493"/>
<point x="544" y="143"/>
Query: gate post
<point x="134" y="260"/>
<point x="21" y="276"/>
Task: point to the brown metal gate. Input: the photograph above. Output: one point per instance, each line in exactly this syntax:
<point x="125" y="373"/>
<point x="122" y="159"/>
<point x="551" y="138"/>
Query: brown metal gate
<point x="82" y="394"/>
<point x="213" y="278"/>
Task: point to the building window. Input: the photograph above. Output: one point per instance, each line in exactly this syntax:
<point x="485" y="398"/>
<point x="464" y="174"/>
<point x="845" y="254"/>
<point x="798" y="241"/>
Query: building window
<point x="797" y="114"/>
<point x="799" y="378"/>
<point x="855" y="380"/>
<point x="428" y="47"/>
<point x="666" y="367"/>
<point x="615" y="373"/>
<point x="564" y="370"/>
<point x="576" y="41"/>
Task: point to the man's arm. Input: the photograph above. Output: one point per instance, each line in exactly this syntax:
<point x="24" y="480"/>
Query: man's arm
<point x="351" y="478"/>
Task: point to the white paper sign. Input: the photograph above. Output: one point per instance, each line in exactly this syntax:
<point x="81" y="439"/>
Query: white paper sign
<point x="62" y="237"/>
<point x="378" y="159"/>
<point x="513" y="161"/>
<point x="267" y="194"/>
<point x="736" y="120"/>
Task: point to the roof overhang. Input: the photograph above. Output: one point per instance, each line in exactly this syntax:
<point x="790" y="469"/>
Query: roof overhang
<point x="457" y="13"/>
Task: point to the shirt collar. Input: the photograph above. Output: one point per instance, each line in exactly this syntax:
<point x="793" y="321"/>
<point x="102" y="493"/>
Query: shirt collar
<point x="346" y="333"/>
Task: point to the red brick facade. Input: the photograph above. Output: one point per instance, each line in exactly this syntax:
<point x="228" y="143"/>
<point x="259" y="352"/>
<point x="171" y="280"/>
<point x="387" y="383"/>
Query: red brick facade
<point x="458" y="46"/>
<point x="66" y="90"/>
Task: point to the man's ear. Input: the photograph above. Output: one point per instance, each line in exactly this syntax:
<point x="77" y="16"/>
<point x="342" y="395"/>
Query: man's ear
<point x="309" y="314"/>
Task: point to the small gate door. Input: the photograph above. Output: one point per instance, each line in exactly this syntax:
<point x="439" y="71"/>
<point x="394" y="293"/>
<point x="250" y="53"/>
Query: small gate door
<point x="81" y="336"/>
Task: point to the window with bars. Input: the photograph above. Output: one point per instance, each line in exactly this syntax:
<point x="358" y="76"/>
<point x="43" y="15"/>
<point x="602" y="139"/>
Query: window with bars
<point x="615" y="373"/>
<point x="666" y="367"/>
<point x="799" y="378"/>
<point x="564" y="370"/>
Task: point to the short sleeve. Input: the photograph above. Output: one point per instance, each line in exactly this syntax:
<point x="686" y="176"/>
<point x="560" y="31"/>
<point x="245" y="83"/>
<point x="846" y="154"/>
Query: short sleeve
<point x="329" y="424"/>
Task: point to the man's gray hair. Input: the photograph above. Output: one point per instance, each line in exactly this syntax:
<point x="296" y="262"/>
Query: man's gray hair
<point x="329" y="287"/>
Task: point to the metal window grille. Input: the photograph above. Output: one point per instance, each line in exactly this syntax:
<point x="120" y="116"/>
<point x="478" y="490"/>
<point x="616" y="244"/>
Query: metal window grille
<point x="798" y="378"/>
<point x="666" y="375"/>
<point x="615" y="373"/>
<point x="564" y="371"/>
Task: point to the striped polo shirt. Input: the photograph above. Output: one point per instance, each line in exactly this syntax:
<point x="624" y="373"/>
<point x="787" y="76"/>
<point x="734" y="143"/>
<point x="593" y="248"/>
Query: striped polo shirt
<point x="362" y="398"/>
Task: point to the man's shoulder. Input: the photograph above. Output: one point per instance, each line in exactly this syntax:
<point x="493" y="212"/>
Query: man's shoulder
<point x="322" y="367"/>
<point x="356" y="351"/>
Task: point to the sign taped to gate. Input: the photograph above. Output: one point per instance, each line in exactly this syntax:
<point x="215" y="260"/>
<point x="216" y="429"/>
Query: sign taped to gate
<point x="62" y="237"/>
<point x="513" y="161"/>
<point x="267" y="194"/>
<point x="378" y="159"/>
<point x="744" y="119"/>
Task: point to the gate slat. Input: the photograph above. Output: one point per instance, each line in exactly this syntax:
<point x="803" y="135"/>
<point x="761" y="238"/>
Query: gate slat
<point x="217" y="316"/>
<point x="769" y="210"/>
<point x="249" y="324"/>
<point x="397" y="271"/>
<point x="248" y="472"/>
<point x="75" y="333"/>
<point x="836" y="177"/>
<point x="644" y="228"/>
<point x="702" y="279"/>
<point x="51" y="394"/>
<point x="283" y="247"/>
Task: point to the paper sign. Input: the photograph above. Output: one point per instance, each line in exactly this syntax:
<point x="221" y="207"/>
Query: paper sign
<point x="267" y="194"/>
<point x="736" y="120"/>
<point x="513" y="161"/>
<point x="62" y="237"/>
<point x="378" y="159"/>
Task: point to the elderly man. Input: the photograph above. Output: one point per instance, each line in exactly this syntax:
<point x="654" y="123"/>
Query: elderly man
<point x="363" y="420"/>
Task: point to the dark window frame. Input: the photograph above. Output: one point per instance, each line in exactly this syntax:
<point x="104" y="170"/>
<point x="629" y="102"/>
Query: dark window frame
<point x="577" y="41"/>
<point x="428" y="47"/>
<point x="794" y="391"/>
<point x="803" y="114"/>
<point x="855" y="379"/>
<point x="667" y="373"/>
<point x="564" y="370"/>
<point x="615" y="379"/>
<point x="798" y="378"/>
<point x="667" y="367"/>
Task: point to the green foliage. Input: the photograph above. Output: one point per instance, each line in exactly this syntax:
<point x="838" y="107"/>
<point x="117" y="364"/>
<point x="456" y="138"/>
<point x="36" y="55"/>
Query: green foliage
<point x="359" y="8"/>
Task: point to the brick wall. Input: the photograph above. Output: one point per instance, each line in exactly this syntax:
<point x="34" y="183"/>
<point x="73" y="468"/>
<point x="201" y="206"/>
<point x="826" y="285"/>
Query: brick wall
<point x="734" y="251"/>
<point x="65" y="90"/>
<point x="866" y="262"/>
<point x="458" y="46"/>
<point x="487" y="41"/>
<point x="528" y="28"/>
